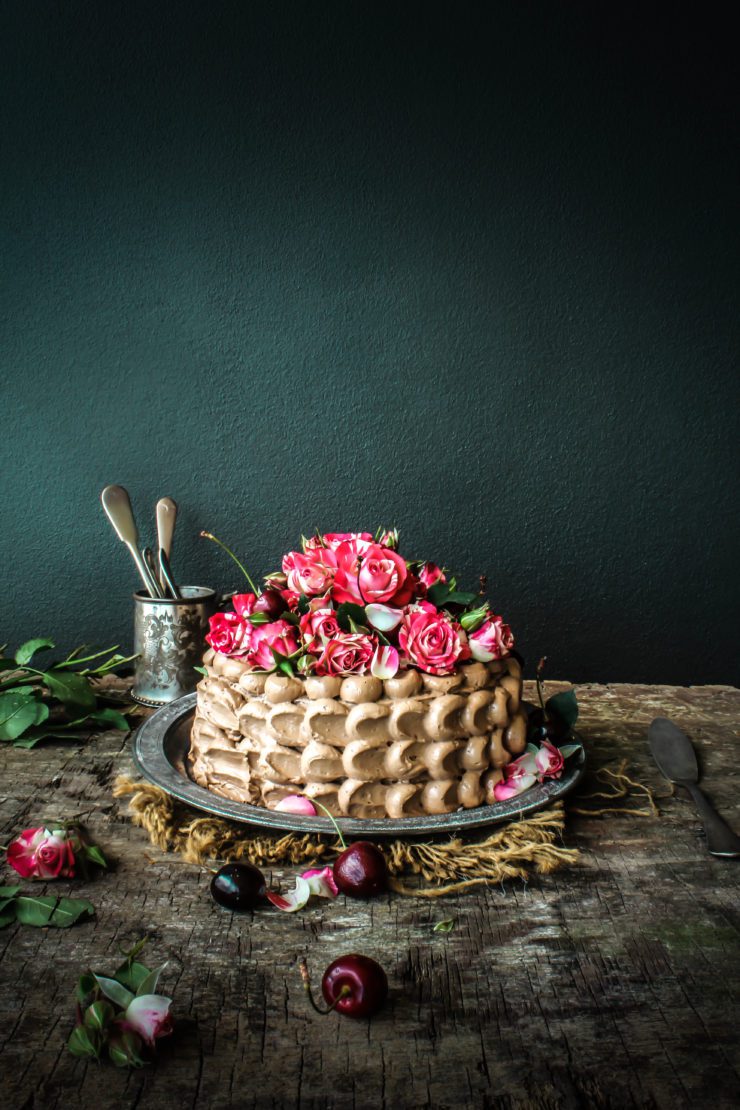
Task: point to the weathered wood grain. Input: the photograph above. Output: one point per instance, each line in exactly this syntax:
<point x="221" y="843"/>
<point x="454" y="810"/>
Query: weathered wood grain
<point x="614" y="984"/>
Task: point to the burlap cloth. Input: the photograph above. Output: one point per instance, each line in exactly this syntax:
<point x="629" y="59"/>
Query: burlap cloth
<point x="513" y="851"/>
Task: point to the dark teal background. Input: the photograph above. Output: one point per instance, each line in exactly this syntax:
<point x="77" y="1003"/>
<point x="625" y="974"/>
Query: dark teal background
<point x="343" y="264"/>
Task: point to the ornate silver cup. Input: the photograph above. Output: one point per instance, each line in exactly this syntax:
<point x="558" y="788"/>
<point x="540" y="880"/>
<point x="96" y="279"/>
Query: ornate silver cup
<point x="169" y="639"/>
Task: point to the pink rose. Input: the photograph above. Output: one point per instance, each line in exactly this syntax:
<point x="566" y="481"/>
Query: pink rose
<point x="41" y="854"/>
<point x="278" y="635"/>
<point x="430" y="640"/>
<point x="493" y="640"/>
<point x="229" y="634"/>
<point x="317" y="626"/>
<point x="389" y="539"/>
<point x="244" y="604"/>
<point x="381" y="575"/>
<point x="349" y="554"/>
<point x="429" y="574"/>
<point x="346" y="653"/>
<point x="149" y="1016"/>
<point x="334" y="539"/>
<point x="311" y="572"/>
<point x="549" y="761"/>
<point x="519" y="775"/>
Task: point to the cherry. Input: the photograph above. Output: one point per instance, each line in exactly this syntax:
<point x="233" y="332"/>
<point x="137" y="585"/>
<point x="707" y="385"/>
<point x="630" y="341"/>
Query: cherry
<point x="238" y="886"/>
<point x="269" y="602"/>
<point x="361" y="871"/>
<point x="355" y="986"/>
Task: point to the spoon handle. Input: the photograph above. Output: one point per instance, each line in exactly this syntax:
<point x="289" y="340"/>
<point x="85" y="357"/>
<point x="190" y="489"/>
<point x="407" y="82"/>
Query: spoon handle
<point x="166" y="513"/>
<point x="721" y="840"/>
<point x="166" y="572"/>
<point x="152" y="587"/>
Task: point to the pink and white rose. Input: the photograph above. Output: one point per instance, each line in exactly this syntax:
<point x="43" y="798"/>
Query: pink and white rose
<point x="430" y="640"/>
<point x="311" y="572"/>
<point x="429" y="575"/>
<point x="333" y="539"/>
<point x="349" y="554"/>
<point x="244" y="604"/>
<point x="493" y="640"/>
<point x="347" y="653"/>
<point x="519" y="775"/>
<point x="549" y="761"/>
<point x="381" y="575"/>
<point x="278" y="635"/>
<point x="43" y="854"/>
<point x="149" y="1016"/>
<point x="317" y="626"/>
<point x="229" y="634"/>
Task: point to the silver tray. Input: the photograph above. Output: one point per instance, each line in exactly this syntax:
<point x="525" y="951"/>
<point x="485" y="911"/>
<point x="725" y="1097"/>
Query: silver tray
<point x="160" y="749"/>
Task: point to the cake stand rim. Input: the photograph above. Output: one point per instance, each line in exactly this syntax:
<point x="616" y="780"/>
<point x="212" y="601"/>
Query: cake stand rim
<point x="154" y="739"/>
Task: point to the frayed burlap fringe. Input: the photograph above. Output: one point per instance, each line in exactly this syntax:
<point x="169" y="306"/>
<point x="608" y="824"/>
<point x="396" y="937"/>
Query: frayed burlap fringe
<point x="511" y="852"/>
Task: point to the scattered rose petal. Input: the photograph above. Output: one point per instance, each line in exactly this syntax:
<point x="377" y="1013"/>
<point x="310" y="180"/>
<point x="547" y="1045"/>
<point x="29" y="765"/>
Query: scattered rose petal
<point x="149" y="1016"/>
<point x="383" y="617"/>
<point x="297" y="804"/>
<point x="294" y="899"/>
<point x="321" y="882"/>
<point x="384" y="663"/>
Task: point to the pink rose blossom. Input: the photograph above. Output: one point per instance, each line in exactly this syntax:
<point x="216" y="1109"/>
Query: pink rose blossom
<point x="317" y="626"/>
<point x="493" y="640"/>
<point x="381" y="575"/>
<point x="430" y="640"/>
<point x="549" y="761"/>
<point x="311" y="572"/>
<point x="229" y="634"/>
<point x="41" y="854"/>
<point x="429" y="575"/>
<point x="349" y="554"/>
<point x="149" y="1016"/>
<point x="334" y="539"/>
<point x="244" y="604"/>
<point x="347" y="653"/>
<point x="280" y="635"/>
<point x="519" y="775"/>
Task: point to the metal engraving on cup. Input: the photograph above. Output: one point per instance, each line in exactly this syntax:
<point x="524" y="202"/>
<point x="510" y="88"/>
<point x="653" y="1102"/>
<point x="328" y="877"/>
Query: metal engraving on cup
<point x="169" y="638"/>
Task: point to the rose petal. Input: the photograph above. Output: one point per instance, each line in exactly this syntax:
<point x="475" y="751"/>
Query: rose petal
<point x="294" y="899"/>
<point x="384" y="663"/>
<point x="321" y="881"/>
<point x="297" y="804"/>
<point x="149" y="1016"/>
<point x="383" y="617"/>
<point x="502" y="791"/>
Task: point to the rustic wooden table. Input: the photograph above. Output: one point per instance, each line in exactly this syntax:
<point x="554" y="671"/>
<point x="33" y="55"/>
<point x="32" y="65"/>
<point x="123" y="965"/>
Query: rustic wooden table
<point x="612" y="984"/>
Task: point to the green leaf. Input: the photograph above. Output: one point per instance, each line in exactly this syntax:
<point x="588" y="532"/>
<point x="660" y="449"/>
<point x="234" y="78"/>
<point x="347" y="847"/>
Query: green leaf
<point x="94" y="854"/>
<point x="26" y="652"/>
<point x="7" y="916"/>
<point x="303" y="604"/>
<point x="149" y="984"/>
<point x="563" y="707"/>
<point x="19" y="712"/>
<point x="201" y="670"/>
<point x="71" y="689"/>
<point x="131" y="974"/>
<point x="85" y="986"/>
<point x="570" y="749"/>
<point x="438" y="593"/>
<point x="347" y="612"/>
<point x="59" y="912"/>
<point x="109" y="716"/>
<point x="98" y="1015"/>
<point x="114" y="990"/>
<point x="445" y="926"/>
<point x="84" y="1042"/>
<point x="8" y="891"/>
<point x="474" y="618"/>
<point x="458" y="597"/>
<point x="291" y="616"/>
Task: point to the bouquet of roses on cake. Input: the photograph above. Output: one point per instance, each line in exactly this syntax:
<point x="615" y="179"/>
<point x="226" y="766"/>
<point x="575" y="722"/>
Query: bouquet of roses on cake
<point x="349" y="603"/>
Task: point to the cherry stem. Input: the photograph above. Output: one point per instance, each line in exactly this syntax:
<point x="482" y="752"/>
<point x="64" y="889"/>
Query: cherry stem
<point x="344" y="991"/>
<point x="242" y="568"/>
<point x="540" y="669"/>
<point x="338" y="831"/>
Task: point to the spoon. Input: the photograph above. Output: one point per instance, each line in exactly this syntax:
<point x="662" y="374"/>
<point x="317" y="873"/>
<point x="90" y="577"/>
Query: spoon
<point x="117" y="505"/>
<point x="166" y="513"/>
<point x="166" y="572"/>
<point x="676" y="759"/>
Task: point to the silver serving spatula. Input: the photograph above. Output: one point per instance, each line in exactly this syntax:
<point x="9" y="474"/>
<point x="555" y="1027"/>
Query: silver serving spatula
<point x="673" y="752"/>
<point x="117" y="505"/>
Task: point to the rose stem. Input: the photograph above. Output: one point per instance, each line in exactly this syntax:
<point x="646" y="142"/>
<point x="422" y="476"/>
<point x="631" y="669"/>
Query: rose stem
<point x="344" y="991"/>
<point x="242" y="568"/>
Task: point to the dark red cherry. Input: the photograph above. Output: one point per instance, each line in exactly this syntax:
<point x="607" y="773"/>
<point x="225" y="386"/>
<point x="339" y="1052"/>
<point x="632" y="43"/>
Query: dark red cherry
<point x="362" y="981"/>
<point x="238" y="886"/>
<point x="270" y="602"/>
<point x="361" y="871"/>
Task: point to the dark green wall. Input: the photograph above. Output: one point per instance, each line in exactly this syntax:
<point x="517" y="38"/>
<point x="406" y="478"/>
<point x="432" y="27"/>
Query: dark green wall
<point x="340" y="264"/>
